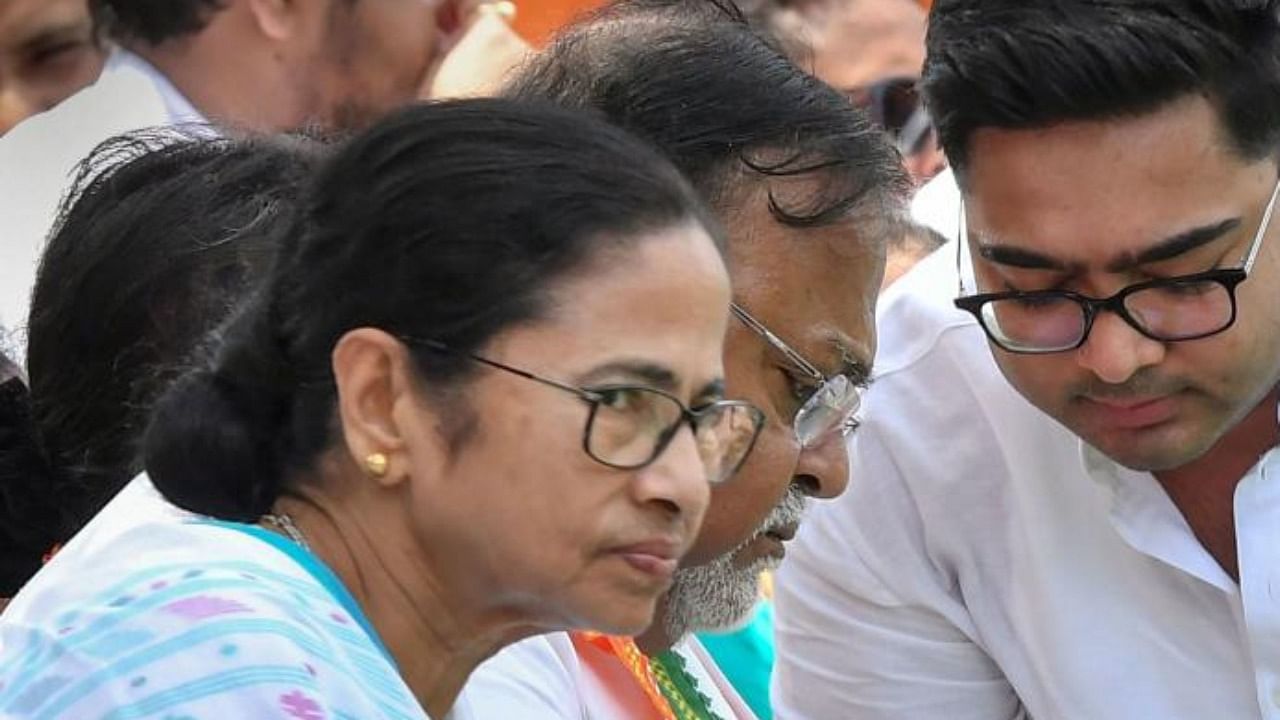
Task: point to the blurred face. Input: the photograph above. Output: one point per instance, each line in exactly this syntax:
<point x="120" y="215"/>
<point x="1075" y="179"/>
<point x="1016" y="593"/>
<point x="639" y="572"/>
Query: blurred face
<point x="47" y="53"/>
<point x="858" y="43"/>
<point x="526" y="519"/>
<point x="1093" y="207"/>
<point x="816" y="289"/>
<point x="373" y="57"/>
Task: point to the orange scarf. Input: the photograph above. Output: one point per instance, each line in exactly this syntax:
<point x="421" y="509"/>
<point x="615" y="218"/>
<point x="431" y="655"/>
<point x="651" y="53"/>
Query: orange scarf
<point x="625" y="649"/>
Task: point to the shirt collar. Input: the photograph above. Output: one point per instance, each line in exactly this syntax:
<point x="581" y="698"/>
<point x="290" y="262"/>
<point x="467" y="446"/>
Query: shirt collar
<point x="179" y="109"/>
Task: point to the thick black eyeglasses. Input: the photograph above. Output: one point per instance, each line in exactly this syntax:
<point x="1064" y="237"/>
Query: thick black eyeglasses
<point x="629" y="426"/>
<point x="829" y="408"/>
<point x="1174" y="309"/>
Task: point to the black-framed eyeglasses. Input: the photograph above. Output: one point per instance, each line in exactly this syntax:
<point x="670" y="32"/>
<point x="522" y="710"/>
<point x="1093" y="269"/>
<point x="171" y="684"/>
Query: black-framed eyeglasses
<point x="629" y="426"/>
<point x="829" y="408"/>
<point x="1173" y="309"/>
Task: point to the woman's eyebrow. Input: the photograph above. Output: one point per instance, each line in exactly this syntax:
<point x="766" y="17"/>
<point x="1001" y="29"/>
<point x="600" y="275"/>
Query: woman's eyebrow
<point x="646" y="371"/>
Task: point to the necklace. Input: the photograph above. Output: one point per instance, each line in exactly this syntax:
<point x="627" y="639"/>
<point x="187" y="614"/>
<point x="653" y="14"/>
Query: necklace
<point x="681" y="688"/>
<point x="285" y="524"/>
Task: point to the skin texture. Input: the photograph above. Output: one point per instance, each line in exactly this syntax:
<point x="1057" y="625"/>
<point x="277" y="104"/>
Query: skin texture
<point x="464" y="546"/>
<point x="338" y="65"/>
<point x="47" y="53"/>
<point x="1090" y="195"/>
<point x="816" y="288"/>
<point x="856" y="43"/>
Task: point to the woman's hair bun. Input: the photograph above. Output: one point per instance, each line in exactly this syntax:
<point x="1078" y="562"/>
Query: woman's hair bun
<point x="210" y="446"/>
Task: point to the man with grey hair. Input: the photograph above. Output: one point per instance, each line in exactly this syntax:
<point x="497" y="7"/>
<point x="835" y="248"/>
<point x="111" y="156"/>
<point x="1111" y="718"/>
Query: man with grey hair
<point x="808" y="192"/>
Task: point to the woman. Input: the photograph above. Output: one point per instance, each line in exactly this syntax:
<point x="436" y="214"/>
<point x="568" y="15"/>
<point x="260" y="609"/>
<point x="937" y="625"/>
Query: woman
<point x="478" y="398"/>
<point x="162" y="233"/>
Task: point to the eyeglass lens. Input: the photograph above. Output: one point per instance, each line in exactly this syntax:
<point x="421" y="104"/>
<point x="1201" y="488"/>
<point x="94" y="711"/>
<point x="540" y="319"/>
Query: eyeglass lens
<point x="1175" y="311"/>
<point x="632" y="426"/>
<point x="826" y="410"/>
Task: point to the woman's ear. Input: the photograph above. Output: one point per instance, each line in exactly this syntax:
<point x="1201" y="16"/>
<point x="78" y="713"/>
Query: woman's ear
<point x="376" y="385"/>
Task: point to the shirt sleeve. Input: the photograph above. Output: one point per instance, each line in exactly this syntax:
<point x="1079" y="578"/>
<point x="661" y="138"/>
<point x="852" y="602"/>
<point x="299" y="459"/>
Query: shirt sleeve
<point x="869" y="625"/>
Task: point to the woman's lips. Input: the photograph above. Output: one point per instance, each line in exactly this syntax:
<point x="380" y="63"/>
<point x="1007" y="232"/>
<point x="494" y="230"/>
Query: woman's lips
<point x="658" y="558"/>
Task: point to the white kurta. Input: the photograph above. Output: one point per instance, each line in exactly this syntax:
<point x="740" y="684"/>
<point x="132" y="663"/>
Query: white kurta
<point x="38" y="160"/>
<point x="986" y="565"/>
<point x="551" y="677"/>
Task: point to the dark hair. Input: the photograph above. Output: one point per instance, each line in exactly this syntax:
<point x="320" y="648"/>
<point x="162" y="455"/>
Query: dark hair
<point x="152" y="21"/>
<point x="449" y="221"/>
<point x="719" y="98"/>
<point x="1015" y="64"/>
<point x="159" y="237"/>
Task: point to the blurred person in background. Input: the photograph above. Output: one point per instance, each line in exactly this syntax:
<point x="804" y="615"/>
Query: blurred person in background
<point x="871" y="50"/>
<point x="159" y="239"/>
<point x="48" y="51"/>
<point x="239" y="65"/>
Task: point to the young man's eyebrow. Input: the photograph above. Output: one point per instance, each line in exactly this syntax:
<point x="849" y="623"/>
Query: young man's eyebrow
<point x="1174" y="246"/>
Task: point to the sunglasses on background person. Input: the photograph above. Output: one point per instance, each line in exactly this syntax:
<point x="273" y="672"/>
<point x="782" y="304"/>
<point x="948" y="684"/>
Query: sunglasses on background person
<point x="894" y="104"/>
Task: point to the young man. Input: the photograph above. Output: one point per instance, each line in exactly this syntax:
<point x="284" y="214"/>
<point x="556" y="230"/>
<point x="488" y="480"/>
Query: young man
<point x="241" y="64"/>
<point x="808" y="192"/>
<point x="47" y="53"/>
<point x="1067" y="500"/>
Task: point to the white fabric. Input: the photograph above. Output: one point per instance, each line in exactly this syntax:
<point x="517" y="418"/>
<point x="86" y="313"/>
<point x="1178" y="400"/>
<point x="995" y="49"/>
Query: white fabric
<point x="985" y="565"/>
<point x="552" y="677"/>
<point x="38" y="159"/>
<point x="937" y="205"/>
<point x="179" y="617"/>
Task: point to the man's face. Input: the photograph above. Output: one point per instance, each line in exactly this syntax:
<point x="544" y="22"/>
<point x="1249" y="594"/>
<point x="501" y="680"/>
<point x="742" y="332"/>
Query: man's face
<point x="47" y="53"/>
<point x="1093" y="207"/>
<point x="371" y="57"/>
<point x="816" y="289"/>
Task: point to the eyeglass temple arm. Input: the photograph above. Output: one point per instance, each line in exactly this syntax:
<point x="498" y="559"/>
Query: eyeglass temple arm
<point x="441" y="347"/>
<point x="777" y="342"/>
<point x="1256" y="245"/>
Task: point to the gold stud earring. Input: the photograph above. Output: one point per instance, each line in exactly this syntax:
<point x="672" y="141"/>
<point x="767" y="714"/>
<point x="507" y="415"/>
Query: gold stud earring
<point x="376" y="464"/>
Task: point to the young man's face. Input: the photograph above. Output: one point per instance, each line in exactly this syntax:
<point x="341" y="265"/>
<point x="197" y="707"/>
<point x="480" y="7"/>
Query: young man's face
<point x="1094" y="207"/>
<point x="47" y="53"/>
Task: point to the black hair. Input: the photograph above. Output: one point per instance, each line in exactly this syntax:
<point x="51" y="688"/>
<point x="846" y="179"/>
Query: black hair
<point x="159" y="237"/>
<point x="152" y="21"/>
<point x="1015" y="64"/>
<point x="724" y="103"/>
<point x="449" y="221"/>
<point x="8" y="368"/>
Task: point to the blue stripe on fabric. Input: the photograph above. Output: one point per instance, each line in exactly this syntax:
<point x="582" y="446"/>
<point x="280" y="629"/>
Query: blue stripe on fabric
<point x="202" y="633"/>
<point x="211" y="685"/>
<point x="318" y="570"/>
<point x="43" y="654"/>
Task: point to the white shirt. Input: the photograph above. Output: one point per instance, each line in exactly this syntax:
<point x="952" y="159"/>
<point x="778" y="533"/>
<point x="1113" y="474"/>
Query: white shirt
<point x="985" y="564"/>
<point x="552" y="677"/>
<point x="38" y="161"/>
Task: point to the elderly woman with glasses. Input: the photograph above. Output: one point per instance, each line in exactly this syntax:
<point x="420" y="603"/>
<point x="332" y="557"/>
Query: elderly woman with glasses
<point x="479" y="397"/>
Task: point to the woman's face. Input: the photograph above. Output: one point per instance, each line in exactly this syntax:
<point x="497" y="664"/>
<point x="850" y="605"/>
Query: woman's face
<point x="524" y="518"/>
